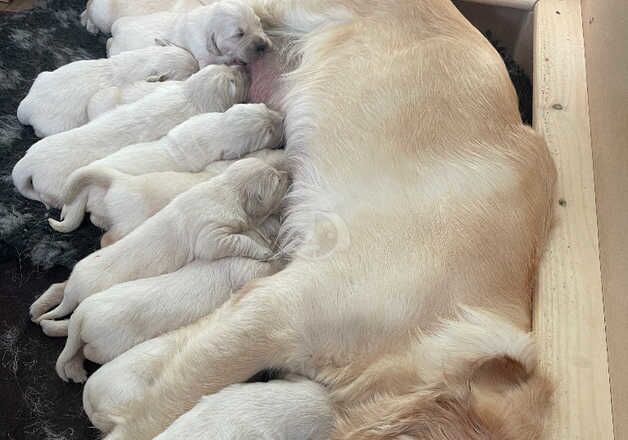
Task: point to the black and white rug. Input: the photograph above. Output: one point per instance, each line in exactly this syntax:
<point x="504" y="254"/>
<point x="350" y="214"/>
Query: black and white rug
<point x="34" y="402"/>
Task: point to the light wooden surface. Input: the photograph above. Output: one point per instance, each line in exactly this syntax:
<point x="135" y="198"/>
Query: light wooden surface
<point x="569" y="312"/>
<point x="605" y="36"/>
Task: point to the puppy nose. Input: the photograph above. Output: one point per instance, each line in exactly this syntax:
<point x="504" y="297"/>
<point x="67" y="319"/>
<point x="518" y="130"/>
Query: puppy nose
<point x="261" y="47"/>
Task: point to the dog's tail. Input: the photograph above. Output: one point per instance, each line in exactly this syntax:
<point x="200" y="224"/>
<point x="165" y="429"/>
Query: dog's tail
<point x="90" y="175"/>
<point x="73" y="345"/>
<point x="71" y="215"/>
<point x="22" y="177"/>
<point x="76" y="195"/>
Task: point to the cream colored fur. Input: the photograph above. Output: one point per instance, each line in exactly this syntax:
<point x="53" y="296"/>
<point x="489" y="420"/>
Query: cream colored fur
<point x="42" y="172"/>
<point x="101" y="14"/>
<point x="224" y="32"/>
<point x="208" y="222"/>
<point x="120" y="202"/>
<point x="59" y="100"/>
<point x="107" y="324"/>
<point x="406" y="142"/>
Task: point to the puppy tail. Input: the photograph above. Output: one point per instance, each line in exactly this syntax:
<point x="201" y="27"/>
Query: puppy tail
<point x="72" y="345"/>
<point x="23" y="179"/>
<point x="81" y="178"/>
<point x="71" y="215"/>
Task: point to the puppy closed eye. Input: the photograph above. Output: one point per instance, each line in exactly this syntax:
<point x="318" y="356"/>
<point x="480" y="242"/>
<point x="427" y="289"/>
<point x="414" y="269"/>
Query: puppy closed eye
<point x="240" y="33"/>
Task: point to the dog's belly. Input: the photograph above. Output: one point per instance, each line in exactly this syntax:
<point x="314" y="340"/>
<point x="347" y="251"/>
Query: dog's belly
<point x="265" y="76"/>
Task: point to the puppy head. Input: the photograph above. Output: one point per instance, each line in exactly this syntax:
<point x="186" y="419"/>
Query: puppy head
<point x="218" y="83"/>
<point x="255" y="126"/>
<point x="261" y="187"/>
<point x="497" y="399"/>
<point x="237" y="32"/>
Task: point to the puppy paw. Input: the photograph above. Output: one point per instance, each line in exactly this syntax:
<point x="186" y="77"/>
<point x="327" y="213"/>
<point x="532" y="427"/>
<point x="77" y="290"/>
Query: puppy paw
<point x="72" y="370"/>
<point x="54" y="329"/>
<point x="48" y="300"/>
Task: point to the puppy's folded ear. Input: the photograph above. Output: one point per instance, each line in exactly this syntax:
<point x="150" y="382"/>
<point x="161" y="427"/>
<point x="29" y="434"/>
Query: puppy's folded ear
<point x="162" y="42"/>
<point x="160" y="78"/>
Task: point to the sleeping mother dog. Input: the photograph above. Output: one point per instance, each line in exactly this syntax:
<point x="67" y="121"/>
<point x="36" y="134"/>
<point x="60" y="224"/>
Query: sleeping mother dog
<point x="416" y="222"/>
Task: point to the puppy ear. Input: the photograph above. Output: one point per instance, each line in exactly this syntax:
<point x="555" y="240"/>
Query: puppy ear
<point x="162" y="42"/>
<point x="160" y="78"/>
<point x="212" y="47"/>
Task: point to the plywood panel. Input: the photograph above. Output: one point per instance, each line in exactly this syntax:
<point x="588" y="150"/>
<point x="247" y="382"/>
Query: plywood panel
<point x="569" y="312"/>
<point x="606" y="35"/>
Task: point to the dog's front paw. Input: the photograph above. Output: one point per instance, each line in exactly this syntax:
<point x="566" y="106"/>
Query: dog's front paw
<point x="72" y="370"/>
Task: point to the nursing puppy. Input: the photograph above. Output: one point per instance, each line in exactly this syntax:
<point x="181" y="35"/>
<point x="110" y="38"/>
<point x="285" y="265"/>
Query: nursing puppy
<point x="101" y="14"/>
<point x="128" y="376"/>
<point x="222" y="33"/>
<point x="58" y="100"/>
<point x="42" y="172"/>
<point x="107" y="324"/>
<point x="194" y="144"/>
<point x="208" y="222"/>
<point x="250" y="411"/>
<point x="419" y="211"/>
<point x="119" y="202"/>
<point x="107" y="99"/>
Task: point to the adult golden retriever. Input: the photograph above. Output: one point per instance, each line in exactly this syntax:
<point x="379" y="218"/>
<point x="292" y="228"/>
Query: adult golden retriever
<point x="417" y="219"/>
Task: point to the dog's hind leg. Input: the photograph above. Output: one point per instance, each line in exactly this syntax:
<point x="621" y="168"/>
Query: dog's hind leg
<point x="49" y="299"/>
<point x="55" y="329"/>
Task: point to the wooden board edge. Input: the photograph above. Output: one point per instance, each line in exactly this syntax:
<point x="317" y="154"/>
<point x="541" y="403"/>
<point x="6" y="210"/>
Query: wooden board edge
<point x="569" y="317"/>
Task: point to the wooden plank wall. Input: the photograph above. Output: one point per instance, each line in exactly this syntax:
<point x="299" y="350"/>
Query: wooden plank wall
<point x="606" y="41"/>
<point x="569" y="311"/>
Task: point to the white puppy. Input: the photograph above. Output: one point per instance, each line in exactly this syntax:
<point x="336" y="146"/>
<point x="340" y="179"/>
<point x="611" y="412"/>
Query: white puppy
<point x="107" y="99"/>
<point x="101" y="14"/>
<point x="110" y="322"/>
<point x="207" y="222"/>
<point x="275" y="410"/>
<point x="58" y="100"/>
<point x="225" y="32"/>
<point x="42" y="172"/>
<point x="127" y="378"/>
<point x="197" y="142"/>
<point x="119" y="202"/>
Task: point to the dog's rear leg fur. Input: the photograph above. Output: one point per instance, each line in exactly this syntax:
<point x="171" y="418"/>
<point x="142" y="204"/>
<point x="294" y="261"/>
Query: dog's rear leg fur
<point x="55" y="329"/>
<point x="49" y="299"/>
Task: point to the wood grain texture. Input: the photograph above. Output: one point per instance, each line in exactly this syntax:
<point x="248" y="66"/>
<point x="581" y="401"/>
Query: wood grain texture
<point x="569" y="311"/>
<point x="605" y="37"/>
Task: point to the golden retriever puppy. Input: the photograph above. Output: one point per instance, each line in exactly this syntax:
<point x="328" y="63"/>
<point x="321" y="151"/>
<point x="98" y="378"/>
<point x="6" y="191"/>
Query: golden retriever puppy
<point x="417" y="218"/>
<point x="101" y="14"/>
<point x="111" y="97"/>
<point x="58" y="101"/>
<point x="42" y="172"/>
<point x="249" y="411"/>
<point x="119" y="202"/>
<point x="107" y="324"/>
<point x="304" y="406"/>
<point x="208" y="222"/>
<point x="225" y="32"/>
